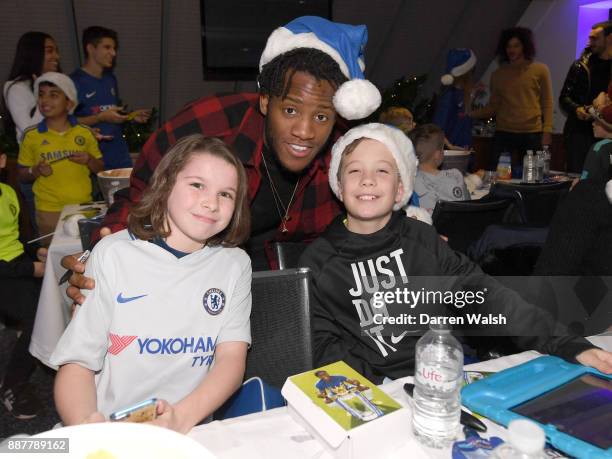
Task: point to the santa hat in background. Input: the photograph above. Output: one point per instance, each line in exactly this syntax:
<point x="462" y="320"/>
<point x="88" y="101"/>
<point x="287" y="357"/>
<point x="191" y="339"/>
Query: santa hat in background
<point x="459" y="61"/>
<point x="396" y="142"/>
<point x="344" y="43"/>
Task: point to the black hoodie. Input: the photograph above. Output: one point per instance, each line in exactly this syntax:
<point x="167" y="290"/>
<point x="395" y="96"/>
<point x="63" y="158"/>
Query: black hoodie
<point x="405" y="254"/>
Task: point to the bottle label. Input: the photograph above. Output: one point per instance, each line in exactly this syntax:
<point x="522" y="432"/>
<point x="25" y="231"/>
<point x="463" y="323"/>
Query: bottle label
<point x="436" y="377"/>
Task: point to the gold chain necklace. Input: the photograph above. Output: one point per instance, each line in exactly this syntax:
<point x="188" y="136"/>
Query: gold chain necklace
<point x="277" y="199"/>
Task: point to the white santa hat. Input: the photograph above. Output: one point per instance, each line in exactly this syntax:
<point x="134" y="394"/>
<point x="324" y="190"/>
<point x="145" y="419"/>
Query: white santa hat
<point x="344" y="43"/>
<point x="61" y="81"/>
<point x="396" y="142"/>
<point x="459" y="61"/>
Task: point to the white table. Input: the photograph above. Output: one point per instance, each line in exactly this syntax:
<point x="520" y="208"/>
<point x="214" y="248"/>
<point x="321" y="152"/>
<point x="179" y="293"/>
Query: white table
<point x="53" y="312"/>
<point x="274" y="434"/>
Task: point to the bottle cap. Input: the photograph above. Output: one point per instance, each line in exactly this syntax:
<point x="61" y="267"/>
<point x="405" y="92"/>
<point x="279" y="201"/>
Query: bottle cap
<point x="526" y="436"/>
<point x="440" y="328"/>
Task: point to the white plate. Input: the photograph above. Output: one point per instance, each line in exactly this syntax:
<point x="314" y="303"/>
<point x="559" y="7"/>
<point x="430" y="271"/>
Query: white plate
<point x="125" y="440"/>
<point x="457" y="152"/>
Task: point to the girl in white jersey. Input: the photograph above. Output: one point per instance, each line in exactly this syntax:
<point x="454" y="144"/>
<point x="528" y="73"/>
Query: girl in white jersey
<point x="169" y="317"/>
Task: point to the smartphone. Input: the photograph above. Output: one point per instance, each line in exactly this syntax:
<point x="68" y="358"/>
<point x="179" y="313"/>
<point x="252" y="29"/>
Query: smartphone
<point x="140" y="412"/>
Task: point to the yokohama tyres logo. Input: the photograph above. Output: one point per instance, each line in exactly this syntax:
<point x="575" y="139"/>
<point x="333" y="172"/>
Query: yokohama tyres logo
<point x="119" y="343"/>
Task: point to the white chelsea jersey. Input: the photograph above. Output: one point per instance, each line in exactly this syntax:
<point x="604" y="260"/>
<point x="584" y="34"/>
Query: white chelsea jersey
<point x="151" y="325"/>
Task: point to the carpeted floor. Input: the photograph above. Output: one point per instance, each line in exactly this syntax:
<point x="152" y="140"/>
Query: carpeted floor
<point x="42" y="380"/>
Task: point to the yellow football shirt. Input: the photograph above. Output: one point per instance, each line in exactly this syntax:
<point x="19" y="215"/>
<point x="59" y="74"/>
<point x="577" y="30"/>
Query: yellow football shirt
<point x="10" y="247"/>
<point x="69" y="183"/>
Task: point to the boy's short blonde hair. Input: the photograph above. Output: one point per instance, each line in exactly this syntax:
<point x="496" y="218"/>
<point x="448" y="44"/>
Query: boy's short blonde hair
<point x="427" y="139"/>
<point x="399" y="117"/>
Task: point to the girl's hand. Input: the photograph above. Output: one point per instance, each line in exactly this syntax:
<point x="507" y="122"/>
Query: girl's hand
<point x="94" y="417"/>
<point x="168" y="417"/>
<point x="41" y="254"/>
<point x="43" y="169"/>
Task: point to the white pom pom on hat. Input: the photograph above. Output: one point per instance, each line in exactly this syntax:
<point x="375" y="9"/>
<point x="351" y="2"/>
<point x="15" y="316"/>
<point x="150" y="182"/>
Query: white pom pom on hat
<point x="609" y="191"/>
<point x="447" y="79"/>
<point x="344" y="43"/>
<point x="394" y="139"/>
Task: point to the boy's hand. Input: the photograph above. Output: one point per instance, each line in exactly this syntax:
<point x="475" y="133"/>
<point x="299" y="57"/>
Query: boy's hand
<point x="42" y="168"/>
<point x="80" y="157"/>
<point x="112" y="115"/>
<point x="101" y="137"/>
<point x="39" y="268"/>
<point x="140" y="116"/>
<point x="41" y="254"/>
<point x="597" y="358"/>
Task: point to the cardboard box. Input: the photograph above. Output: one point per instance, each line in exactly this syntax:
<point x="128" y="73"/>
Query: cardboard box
<point x="347" y="413"/>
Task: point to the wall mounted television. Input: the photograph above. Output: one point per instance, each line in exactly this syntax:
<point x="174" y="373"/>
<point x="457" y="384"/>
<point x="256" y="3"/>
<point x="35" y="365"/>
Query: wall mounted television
<point x="234" y="32"/>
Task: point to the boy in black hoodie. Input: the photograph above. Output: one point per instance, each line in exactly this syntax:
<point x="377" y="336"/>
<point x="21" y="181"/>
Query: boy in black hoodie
<point x="367" y="263"/>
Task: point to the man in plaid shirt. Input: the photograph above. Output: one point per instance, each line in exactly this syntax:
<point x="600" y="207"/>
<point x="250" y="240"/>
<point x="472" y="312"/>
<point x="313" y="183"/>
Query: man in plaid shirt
<point x="282" y="135"/>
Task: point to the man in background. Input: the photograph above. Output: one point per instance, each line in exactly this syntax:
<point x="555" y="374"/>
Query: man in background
<point x="98" y="94"/>
<point x="586" y="78"/>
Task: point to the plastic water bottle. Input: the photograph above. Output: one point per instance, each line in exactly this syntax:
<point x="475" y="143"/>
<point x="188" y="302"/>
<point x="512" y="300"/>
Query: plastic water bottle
<point x="539" y="166"/>
<point x="437" y="399"/>
<point x="526" y="440"/>
<point x="529" y="167"/>
<point x="547" y="158"/>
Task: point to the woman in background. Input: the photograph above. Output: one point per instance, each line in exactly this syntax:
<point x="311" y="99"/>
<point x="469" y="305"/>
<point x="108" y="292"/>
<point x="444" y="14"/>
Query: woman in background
<point x="36" y="54"/>
<point x="521" y="97"/>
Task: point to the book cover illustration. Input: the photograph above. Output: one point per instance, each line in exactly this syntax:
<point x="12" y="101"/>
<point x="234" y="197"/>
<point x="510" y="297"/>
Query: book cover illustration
<point x="345" y="395"/>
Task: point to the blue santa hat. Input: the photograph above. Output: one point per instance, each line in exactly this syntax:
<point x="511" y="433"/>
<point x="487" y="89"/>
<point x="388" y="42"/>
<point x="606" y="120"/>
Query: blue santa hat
<point x="344" y="43"/>
<point x="459" y="61"/>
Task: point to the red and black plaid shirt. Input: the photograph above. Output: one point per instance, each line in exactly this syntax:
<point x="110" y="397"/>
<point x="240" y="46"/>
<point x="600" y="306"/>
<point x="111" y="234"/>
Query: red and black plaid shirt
<point x="235" y="119"/>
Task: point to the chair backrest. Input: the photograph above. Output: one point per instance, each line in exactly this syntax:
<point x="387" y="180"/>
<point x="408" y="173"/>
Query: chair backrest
<point x="540" y="200"/>
<point x="463" y="222"/>
<point x="288" y="253"/>
<point x="280" y="325"/>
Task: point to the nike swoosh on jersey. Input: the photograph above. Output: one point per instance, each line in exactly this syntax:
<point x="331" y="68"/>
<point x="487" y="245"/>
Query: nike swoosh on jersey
<point x="122" y="299"/>
<point x="90" y="94"/>
<point x="397" y="339"/>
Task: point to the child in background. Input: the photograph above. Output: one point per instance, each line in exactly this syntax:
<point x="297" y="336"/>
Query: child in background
<point x="432" y="184"/>
<point x="172" y="296"/>
<point x="375" y="249"/>
<point x="20" y="275"/>
<point x="58" y="154"/>
<point x="399" y="117"/>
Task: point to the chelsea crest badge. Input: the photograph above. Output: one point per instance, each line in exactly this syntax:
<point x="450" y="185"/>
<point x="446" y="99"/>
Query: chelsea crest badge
<point x="214" y="301"/>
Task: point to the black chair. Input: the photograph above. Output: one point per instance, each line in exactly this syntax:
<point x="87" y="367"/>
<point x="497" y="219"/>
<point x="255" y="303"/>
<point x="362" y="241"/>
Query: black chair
<point x="463" y="222"/>
<point x="280" y="325"/>
<point x="288" y="253"/>
<point x="539" y="200"/>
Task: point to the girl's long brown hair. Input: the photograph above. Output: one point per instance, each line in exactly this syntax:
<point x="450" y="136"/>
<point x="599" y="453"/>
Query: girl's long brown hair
<point x="148" y="218"/>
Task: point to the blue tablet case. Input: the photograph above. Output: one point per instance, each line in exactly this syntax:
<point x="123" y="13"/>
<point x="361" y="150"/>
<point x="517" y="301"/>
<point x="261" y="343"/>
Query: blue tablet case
<point x="496" y="395"/>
